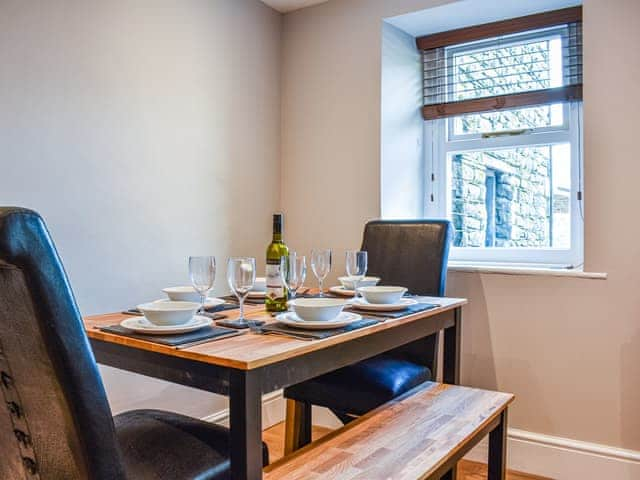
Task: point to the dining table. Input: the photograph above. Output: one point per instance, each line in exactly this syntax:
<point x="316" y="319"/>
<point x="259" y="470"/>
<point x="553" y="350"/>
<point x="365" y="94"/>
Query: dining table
<point x="244" y="367"/>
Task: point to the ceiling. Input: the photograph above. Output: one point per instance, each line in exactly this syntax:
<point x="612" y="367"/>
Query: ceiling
<point x="285" y="6"/>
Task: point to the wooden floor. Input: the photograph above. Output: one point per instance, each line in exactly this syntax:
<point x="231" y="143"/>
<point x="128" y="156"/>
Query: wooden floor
<point x="274" y="437"/>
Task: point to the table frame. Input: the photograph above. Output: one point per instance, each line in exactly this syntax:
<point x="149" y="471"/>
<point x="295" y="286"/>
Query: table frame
<point x="245" y="387"/>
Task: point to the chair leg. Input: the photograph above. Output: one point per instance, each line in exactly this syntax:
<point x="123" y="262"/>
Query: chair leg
<point x="297" y="426"/>
<point x="451" y="474"/>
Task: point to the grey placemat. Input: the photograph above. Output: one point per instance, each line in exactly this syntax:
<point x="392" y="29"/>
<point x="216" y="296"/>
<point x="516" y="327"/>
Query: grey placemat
<point x="221" y="308"/>
<point x="303" y="334"/>
<point x="180" y="339"/>
<point x="418" y="307"/>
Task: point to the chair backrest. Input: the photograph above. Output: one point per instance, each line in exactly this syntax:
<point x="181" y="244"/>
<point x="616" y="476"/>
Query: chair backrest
<point x="411" y="253"/>
<point x="57" y="423"/>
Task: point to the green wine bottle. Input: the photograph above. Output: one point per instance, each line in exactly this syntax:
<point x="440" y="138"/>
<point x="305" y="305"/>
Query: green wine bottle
<point x="276" y="300"/>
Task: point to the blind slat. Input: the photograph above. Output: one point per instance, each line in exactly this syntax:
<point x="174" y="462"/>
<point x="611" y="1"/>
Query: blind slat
<point x="476" y="62"/>
<point x="433" y="80"/>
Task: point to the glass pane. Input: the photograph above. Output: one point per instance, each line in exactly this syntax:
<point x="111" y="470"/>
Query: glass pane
<point x="561" y="195"/>
<point x="516" y="119"/>
<point x="516" y="197"/>
<point x="499" y="69"/>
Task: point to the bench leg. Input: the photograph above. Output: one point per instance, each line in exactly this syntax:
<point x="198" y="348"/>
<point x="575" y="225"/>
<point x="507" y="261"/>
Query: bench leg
<point x="297" y="426"/>
<point x="498" y="449"/>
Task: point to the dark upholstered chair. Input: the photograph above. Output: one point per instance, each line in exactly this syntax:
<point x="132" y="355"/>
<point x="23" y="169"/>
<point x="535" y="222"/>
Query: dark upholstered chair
<point x="55" y="422"/>
<point x="409" y="253"/>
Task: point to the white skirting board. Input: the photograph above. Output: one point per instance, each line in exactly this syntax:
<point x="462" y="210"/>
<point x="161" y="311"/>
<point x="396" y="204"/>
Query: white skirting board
<point x="564" y="459"/>
<point x="273" y="411"/>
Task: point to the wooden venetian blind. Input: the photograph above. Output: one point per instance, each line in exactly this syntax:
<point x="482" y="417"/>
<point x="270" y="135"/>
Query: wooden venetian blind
<point x="524" y="61"/>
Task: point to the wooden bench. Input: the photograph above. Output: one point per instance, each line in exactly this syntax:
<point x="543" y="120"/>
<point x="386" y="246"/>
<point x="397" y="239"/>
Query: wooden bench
<point x="421" y="435"/>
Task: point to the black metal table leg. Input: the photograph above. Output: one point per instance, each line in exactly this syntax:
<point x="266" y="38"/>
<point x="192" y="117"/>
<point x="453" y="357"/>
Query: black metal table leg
<point x="498" y="449"/>
<point x="245" y="405"/>
<point x="452" y="347"/>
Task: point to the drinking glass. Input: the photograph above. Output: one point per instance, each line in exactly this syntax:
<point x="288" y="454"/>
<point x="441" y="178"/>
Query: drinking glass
<point x="202" y="271"/>
<point x="356" y="265"/>
<point x="241" y="275"/>
<point x="293" y="270"/>
<point x="321" y="265"/>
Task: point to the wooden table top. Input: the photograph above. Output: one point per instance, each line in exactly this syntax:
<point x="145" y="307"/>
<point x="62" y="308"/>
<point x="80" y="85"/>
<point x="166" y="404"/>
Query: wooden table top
<point x="252" y="350"/>
<point x="405" y="439"/>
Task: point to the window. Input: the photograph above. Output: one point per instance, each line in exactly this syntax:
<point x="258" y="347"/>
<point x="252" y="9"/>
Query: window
<point x="509" y="179"/>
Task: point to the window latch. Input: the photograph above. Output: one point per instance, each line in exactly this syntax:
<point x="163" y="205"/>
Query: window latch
<point x="506" y="133"/>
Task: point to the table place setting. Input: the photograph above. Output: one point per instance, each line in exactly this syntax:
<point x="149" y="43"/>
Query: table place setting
<point x="317" y="313"/>
<point x="189" y="294"/>
<point x="212" y="307"/>
<point x="316" y="318"/>
<point x="173" y="323"/>
<point x="256" y="295"/>
<point x="364" y="294"/>
<point x="185" y="318"/>
<point x="341" y="309"/>
<point x="347" y="285"/>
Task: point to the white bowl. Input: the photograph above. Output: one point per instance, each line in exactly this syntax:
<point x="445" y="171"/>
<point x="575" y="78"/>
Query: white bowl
<point x="347" y="282"/>
<point x="384" y="295"/>
<point x="260" y="285"/>
<point x="317" y="309"/>
<point x="169" y="313"/>
<point x="182" y="294"/>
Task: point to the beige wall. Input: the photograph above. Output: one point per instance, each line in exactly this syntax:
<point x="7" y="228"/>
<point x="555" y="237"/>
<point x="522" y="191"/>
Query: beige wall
<point x="142" y="130"/>
<point x="569" y="348"/>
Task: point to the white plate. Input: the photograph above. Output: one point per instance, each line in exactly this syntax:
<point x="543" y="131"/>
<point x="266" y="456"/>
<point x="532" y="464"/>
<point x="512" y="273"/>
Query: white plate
<point x="362" y="304"/>
<point x="208" y="303"/>
<point x="142" y="325"/>
<point x="340" y="290"/>
<point x="342" y="320"/>
<point x="258" y="294"/>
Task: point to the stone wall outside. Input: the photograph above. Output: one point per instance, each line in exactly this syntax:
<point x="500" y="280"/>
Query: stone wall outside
<point x="522" y="198"/>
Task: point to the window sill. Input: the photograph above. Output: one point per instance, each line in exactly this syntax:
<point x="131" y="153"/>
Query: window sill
<point x="524" y="270"/>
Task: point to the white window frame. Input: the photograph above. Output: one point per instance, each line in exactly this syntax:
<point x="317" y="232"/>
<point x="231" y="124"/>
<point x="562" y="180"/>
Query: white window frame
<point x="438" y="195"/>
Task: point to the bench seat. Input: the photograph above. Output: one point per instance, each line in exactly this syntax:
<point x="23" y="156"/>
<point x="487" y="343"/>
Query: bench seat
<point x="420" y="435"/>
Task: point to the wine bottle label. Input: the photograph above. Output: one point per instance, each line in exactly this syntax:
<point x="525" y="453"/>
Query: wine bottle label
<point x="274" y="282"/>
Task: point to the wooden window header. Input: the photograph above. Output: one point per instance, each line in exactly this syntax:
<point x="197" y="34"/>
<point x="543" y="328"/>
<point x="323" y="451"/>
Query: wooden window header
<point x="502" y="102"/>
<point x="496" y="29"/>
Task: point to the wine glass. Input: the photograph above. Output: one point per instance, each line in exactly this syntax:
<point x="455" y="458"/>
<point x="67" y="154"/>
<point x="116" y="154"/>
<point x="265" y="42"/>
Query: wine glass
<point x="321" y="265"/>
<point x="241" y="275"/>
<point x="293" y="270"/>
<point x="202" y="271"/>
<point x="356" y="265"/>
